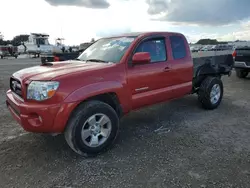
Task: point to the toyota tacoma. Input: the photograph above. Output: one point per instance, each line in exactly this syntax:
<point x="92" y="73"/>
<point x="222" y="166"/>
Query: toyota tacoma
<point x="85" y="98"/>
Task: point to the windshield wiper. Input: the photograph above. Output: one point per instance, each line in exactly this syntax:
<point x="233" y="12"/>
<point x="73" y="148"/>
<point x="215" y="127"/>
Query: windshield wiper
<point x="96" y="60"/>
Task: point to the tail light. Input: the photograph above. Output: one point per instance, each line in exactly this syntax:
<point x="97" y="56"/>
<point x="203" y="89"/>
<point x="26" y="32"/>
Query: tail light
<point x="56" y="58"/>
<point x="234" y="53"/>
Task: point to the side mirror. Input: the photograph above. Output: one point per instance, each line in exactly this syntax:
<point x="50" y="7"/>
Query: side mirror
<point x="141" y="58"/>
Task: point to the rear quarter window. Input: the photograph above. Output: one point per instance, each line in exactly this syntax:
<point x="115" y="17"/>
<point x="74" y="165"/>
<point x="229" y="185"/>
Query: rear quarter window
<point x="178" y="47"/>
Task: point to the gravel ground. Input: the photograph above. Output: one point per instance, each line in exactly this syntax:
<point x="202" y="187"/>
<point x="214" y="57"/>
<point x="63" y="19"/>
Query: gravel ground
<point x="194" y="148"/>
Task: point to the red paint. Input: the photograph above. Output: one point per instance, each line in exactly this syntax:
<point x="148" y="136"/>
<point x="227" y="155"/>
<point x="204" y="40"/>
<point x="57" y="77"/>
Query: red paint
<point x="136" y="86"/>
<point x="234" y="53"/>
<point x="56" y="58"/>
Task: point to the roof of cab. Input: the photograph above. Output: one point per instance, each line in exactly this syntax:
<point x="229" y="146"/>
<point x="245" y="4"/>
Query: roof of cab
<point x="137" y="34"/>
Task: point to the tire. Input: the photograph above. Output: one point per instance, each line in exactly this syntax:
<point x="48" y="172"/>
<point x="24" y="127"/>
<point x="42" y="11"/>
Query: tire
<point x="210" y="84"/>
<point x="1" y="57"/>
<point x="241" y="73"/>
<point x="73" y="132"/>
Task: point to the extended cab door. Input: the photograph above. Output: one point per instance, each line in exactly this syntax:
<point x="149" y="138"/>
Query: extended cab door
<point x="181" y="65"/>
<point x="150" y="83"/>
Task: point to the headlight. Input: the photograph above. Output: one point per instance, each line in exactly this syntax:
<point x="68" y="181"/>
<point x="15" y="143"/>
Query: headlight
<point x="41" y="90"/>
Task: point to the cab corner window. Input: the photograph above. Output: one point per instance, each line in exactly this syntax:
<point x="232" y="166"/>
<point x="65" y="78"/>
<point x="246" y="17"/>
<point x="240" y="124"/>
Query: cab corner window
<point x="178" y="47"/>
<point x="156" y="48"/>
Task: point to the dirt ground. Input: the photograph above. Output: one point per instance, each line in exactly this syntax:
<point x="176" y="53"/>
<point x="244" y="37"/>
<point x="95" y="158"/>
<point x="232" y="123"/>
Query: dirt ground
<point x="194" y="147"/>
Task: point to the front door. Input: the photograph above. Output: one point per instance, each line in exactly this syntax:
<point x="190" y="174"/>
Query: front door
<point x="150" y="83"/>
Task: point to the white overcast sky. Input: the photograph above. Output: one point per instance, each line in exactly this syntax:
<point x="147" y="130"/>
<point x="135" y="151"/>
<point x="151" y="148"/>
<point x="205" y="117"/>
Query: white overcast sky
<point x="80" y="20"/>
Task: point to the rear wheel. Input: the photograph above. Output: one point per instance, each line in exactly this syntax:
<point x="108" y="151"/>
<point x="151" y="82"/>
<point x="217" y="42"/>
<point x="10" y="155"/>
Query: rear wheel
<point x="1" y="57"/>
<point x="210" y="93"/>
<point x="92" y="129"/>
<point x="241" y="73"/>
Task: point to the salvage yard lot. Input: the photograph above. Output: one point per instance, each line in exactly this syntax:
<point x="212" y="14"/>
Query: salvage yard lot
<point x="194" y="147"/>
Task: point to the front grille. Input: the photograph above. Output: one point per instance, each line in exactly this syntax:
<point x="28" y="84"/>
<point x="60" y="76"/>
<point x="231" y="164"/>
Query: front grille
<point x="16" y="87"/>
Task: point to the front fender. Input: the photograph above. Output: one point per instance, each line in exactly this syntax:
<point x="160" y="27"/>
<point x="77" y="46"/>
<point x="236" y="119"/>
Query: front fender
<point x="99" y="88"/>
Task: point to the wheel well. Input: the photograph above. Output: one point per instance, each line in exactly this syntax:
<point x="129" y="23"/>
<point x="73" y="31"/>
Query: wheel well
<point x="199" y="79"/>
<point x="108" y="98"/>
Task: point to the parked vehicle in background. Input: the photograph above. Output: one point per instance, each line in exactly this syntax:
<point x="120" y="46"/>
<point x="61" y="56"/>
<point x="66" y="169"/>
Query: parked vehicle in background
<point x="204" y="48"/>
<point x="55" y="57"/>
<point x="242" y="61"/>
<point x="212" y="48"/>
<point x="219" y="47"/>
<point x="38" y="43"/>
<point x="21" y="49"/>
<point x="84" y="46"/>
<point x="223" y="47"/>
<point x="8" y="51"/>
<point x="195" y="48"/>
<point x="63" y="56"/>
<point x="85" y="98"/>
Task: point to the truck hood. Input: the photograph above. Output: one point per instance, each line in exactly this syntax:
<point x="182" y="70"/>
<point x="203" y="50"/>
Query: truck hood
<point x="49" y="72"/>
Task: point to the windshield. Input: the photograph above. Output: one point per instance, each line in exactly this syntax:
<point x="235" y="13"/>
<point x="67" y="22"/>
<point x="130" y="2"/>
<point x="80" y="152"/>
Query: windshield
<point x="107" y="50"/>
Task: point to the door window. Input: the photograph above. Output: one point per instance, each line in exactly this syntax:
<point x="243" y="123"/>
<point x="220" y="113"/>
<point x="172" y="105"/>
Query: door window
<point x="156" y="48"/>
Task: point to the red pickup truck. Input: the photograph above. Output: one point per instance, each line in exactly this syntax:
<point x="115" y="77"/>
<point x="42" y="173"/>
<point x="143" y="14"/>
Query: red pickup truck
<point x="86" y="97"/>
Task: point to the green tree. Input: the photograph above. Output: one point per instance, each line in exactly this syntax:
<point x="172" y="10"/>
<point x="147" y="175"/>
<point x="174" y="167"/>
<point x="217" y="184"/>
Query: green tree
<point x="209" y="42"/>
<point x="18" y="40"/>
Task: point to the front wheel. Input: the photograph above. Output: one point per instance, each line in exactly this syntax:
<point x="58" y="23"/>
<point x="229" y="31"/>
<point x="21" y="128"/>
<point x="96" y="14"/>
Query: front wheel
<point x="210" y="93"/>
<point x="92" y="128"/>
<point x="241" y="73"/>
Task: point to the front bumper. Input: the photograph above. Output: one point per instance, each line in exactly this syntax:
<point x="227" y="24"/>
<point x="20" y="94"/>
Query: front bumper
<point x="40" y="118"/>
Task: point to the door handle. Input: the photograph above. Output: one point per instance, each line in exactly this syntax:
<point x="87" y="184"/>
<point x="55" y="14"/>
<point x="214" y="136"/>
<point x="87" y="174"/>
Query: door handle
<point x="166" y="69"/>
